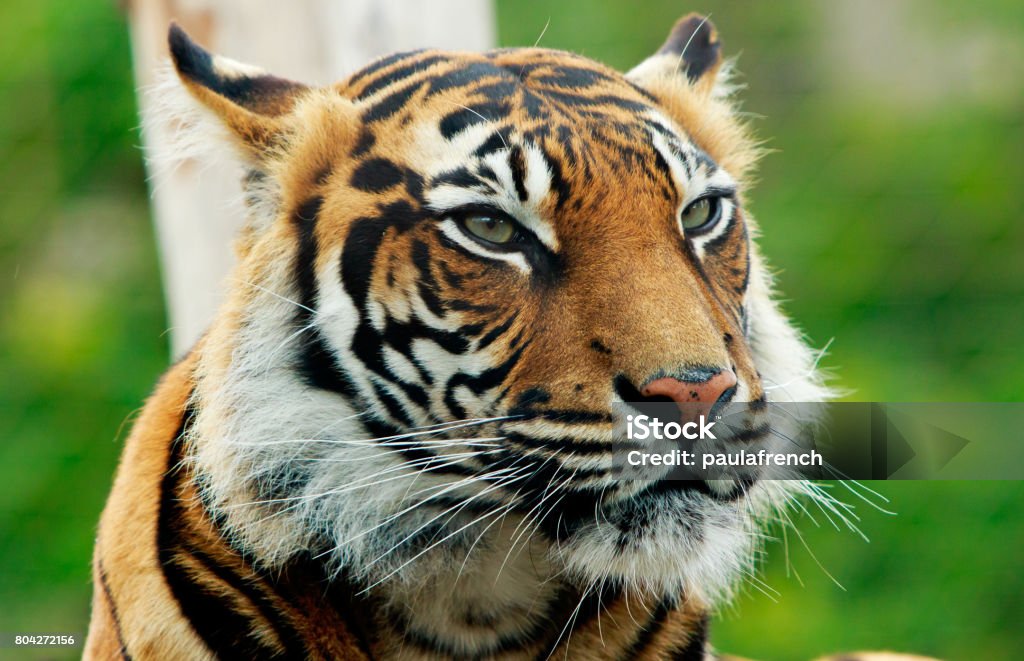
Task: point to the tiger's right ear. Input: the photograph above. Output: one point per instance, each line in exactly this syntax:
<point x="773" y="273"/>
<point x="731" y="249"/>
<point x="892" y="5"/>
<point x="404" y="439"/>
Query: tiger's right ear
<point x="691" y="53"/>
<point x="247" y="100"/>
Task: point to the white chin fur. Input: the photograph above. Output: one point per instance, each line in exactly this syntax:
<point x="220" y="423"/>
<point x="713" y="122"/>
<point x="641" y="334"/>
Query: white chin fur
<point x="693" y="547"/>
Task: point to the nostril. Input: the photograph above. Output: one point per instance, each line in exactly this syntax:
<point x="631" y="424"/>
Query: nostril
<point x="717" y="387"/>
<point x="651" y="405"/>
<point x="625" y="389"/>
<point x="713" y="387"/>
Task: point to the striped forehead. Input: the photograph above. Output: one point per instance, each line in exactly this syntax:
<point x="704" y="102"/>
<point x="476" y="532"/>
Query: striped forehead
<point x="502" y="128"/>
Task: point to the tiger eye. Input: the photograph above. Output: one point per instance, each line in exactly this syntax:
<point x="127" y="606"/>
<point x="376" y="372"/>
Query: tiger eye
<point x="698" y="214"/>
<point x="489" y="228"/>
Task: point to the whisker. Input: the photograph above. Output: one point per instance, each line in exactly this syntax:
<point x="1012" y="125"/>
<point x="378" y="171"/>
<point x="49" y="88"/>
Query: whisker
<point x="363" y="482"/>
<point x="487" y="120"/>
<point x="476" y="520"/>
<point x="543" y="32"/>
<point x="682" y="53"/>
<point x="275" y="294"/>
<point x="446" y="489"/>
<point x="808" y="373"/>
<point x="463" y="505"/>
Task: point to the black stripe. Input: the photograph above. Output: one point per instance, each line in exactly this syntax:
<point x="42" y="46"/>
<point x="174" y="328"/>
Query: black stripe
<point x="474" y="73"/>
<point x="391" y="104"/>
<point x="558" y="181"/>
<point x="567" y="416"/>
<point x="113" y="611"/>
<point x="225" y="631"/>
<point x="666" y="171"/>
<point x="517" y="162"/>
<point x="565" y="444"/>
<point x="572" y="77"/>
<point x="365" y="143"/>
<point x="496" y="142"/>
<point x="398" y="74"/>
<point x="478" y="384"/>
<point x="376" y="175"/>
<point x="394" y="409"/>
<point x="537" y="475"/>
<point x="651" y="628"/>
<point x="727" y="234"/>
<point x="696" y="646"/>
<point x="747" y="434"/>
<point x="305" y="220"/>
<point x="590" y="607"/>
<point x="459" y="120"/>
<point x="290" y="638"/>
<point x="358" y="258"/>
<point x="496" y="332"/>
<point x="460" y="177"/>
<point x="427" y="286"/>
<point x="576" y="100"/>
<point x="382" y="63"/>
<point x="307" y="574"/>
<point x="317" y="365"/>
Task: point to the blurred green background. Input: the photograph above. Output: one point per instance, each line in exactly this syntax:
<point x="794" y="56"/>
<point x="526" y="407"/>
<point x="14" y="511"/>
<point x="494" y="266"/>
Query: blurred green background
<point x="890" y="207"/>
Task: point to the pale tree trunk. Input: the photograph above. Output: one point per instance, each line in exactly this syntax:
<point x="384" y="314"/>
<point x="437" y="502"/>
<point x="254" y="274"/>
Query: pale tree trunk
<point x="197" y="206"/>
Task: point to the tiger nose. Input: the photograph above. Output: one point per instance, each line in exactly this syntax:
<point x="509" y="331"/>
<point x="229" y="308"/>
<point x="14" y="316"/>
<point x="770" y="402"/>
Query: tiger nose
<point x="702" y="390"/>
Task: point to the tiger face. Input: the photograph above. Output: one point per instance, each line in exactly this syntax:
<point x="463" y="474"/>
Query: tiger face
<point x="455" y="266"/>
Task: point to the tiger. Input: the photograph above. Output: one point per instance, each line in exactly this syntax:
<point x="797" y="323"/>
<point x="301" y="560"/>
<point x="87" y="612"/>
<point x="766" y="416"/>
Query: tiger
<point x="393" y="439"/>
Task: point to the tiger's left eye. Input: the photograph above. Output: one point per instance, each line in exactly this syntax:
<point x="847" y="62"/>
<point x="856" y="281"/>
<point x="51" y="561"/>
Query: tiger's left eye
<point x="489" y="228"/>
<point x="701" y="214"/>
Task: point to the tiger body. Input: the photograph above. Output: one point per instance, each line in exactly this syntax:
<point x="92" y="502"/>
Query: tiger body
<point x="394" y="439"/>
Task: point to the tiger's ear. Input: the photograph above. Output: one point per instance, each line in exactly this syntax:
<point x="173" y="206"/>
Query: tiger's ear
<point x="692" y="52"/>
<point x="247" y="100"/>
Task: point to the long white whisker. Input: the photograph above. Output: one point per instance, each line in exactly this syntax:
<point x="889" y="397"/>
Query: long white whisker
<point x="444" y="490"/>
<point x="682" y="53"/>
<point x="276" y="295"/>
<point x="806" y="374"/>
<point x="363" y="482"/>
<point x="460" y="506"/>
<point x="441" y="541"/>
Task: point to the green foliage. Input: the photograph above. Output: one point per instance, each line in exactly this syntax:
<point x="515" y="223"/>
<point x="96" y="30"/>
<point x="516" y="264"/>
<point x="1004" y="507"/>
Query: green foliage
<point x="81" y="312"/>
<point x="888" y="207"/>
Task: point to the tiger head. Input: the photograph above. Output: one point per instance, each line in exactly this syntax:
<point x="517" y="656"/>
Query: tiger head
<point x="454" y="265"/>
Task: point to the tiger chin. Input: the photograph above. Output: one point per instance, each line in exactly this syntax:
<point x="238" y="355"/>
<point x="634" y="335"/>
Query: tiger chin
<point x="394" y="440"/>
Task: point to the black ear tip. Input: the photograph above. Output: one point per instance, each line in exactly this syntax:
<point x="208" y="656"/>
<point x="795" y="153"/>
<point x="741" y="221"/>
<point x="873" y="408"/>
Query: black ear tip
<point x="692" y="31"/>
<point x="695" y="39"/>
<point x="189" y="57"/>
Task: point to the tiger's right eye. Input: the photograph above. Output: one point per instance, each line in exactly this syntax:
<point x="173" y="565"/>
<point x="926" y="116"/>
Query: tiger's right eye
<point x="489" y="228"/>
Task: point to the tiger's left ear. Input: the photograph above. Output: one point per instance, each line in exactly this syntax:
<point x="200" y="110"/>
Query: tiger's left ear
<point x="692" y="53"/>
<point x="247" y="100"/>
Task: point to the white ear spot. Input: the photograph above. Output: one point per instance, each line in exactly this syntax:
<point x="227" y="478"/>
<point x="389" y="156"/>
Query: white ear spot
<point x="228" y="68"/>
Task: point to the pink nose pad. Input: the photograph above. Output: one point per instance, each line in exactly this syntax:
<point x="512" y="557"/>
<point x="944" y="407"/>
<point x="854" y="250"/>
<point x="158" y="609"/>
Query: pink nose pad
<point x="693" y="398"/>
